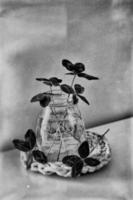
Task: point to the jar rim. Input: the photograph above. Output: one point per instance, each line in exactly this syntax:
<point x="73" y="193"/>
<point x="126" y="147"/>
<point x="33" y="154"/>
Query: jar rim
<point x="57" y="92"/>
<point x="61" y="98"/>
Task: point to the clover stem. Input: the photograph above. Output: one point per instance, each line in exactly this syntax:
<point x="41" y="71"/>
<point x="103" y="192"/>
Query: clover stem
<point x="59" y="150"/>
<point x="53" y="102"/>
<point x="73" y="80"/>
<point x="51" y="147"/>
<point x="105" y="132"/>
<point x="71" y="85"/>
<point x="53" y="110"/>
<point x="100" y="140"/>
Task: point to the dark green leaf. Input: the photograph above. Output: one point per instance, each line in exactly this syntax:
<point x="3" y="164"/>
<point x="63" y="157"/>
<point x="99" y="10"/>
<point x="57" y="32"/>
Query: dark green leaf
<point x="67" y="64"/>
<point x="71" y="73"/>
<point x="28" y="144"/>
<point x="79" y="89"/>
<point x="83" y="99"/>
<point x="47" y="83"/>
<point x="79" y="67"/>
<point x="51" y="81"/>
<point x="83" y="149"/>
<point x="30" y="138"/>
<point x="77" y="168"/>
<point x="75" y="162"/>
<point x="75" y="99"/>
<point x="67" y="89"/>
<point x="42" y="79"/>
<point x="55" y="81"/>
<point x="87" y="76"/>
<point x="45" y="101"/>
<point x="38" y="97"/>
<point x="92" y="162"/>
<point x="71" y="160"/>
<point x="21" y="145"/>
<point x="39" y="156"/>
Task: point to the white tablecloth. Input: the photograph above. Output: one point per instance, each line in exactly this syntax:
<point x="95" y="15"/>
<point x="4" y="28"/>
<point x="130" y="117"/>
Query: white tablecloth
<point x="113" y="182"/>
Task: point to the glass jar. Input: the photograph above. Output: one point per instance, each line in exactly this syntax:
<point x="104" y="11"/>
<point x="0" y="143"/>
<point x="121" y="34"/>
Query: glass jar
<point x="60" y="128"/>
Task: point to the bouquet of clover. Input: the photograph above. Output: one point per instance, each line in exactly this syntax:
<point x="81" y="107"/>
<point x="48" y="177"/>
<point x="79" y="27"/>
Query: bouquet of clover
<point x="75" y="70"/>
<point x="76" y="91"/>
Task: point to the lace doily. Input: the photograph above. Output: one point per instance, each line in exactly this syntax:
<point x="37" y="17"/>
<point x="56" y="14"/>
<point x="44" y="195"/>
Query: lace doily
<point x="101" y="151"/>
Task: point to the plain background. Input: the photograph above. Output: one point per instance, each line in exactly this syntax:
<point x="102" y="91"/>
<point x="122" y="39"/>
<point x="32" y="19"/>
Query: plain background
<point x="36" y="35"/>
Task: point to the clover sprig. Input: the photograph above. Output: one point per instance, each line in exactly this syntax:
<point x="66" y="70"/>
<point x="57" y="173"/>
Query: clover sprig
<point x="77" y="162"/>
<point x="76" y="70"/>
<point x="28" y="145"/>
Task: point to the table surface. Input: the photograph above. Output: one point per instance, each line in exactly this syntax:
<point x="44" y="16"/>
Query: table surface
<point x="113" y="182"/>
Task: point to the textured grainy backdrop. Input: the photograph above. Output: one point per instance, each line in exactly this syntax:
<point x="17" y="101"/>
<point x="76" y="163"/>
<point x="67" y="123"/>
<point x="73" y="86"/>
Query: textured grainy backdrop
<point x="35" y="35"/>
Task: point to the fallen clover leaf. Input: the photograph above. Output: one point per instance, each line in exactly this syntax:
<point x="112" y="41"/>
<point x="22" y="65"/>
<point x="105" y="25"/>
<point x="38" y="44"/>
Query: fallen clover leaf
<point x="71" y="160"/>
<point x="28" y="144"/>
<point x="83" y="149"/>
<point x="30" y="138"/>
<point x="39" y="156"/>
<point x="75" y="162"/>
<point x="77" y="168"/>
<point x="21" y="145"/>
<point x="92" y="161"/>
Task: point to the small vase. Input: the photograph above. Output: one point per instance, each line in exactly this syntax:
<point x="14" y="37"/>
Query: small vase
<point x="60" y="128"/>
